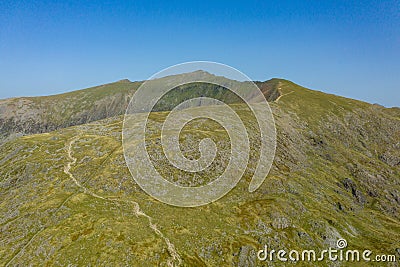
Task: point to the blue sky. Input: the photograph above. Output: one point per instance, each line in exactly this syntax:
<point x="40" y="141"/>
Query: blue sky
<point x="349" y="48"/>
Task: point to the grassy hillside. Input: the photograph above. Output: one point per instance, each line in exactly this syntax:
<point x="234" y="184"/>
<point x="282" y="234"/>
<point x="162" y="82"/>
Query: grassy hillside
<point x="67" y="197"/>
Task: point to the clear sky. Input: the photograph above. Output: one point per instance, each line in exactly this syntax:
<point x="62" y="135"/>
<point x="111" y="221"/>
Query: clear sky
<point x="349" y="48"/>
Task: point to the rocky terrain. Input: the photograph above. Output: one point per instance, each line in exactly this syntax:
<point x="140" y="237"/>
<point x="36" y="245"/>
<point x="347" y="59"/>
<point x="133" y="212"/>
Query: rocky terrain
<point x="68" y="199"/>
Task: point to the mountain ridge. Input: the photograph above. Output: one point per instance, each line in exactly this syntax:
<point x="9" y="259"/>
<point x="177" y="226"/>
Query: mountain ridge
<point x="28" y="115"/>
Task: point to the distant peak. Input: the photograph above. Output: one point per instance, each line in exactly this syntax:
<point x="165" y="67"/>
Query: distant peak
<point x="124" y="81"/>
<point x="200" y="72"/>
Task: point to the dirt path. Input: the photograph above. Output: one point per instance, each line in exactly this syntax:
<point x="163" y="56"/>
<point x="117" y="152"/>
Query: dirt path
<point x="175" y="259"/>
<point x="281" y="95"/>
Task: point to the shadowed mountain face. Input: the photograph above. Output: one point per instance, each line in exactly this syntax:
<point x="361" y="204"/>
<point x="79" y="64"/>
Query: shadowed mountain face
<point x="29" y="115"/>
<point x="67" y="197"/>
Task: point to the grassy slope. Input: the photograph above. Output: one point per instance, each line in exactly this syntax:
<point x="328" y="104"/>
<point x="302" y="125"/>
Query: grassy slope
<point x="304" y="203"/>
